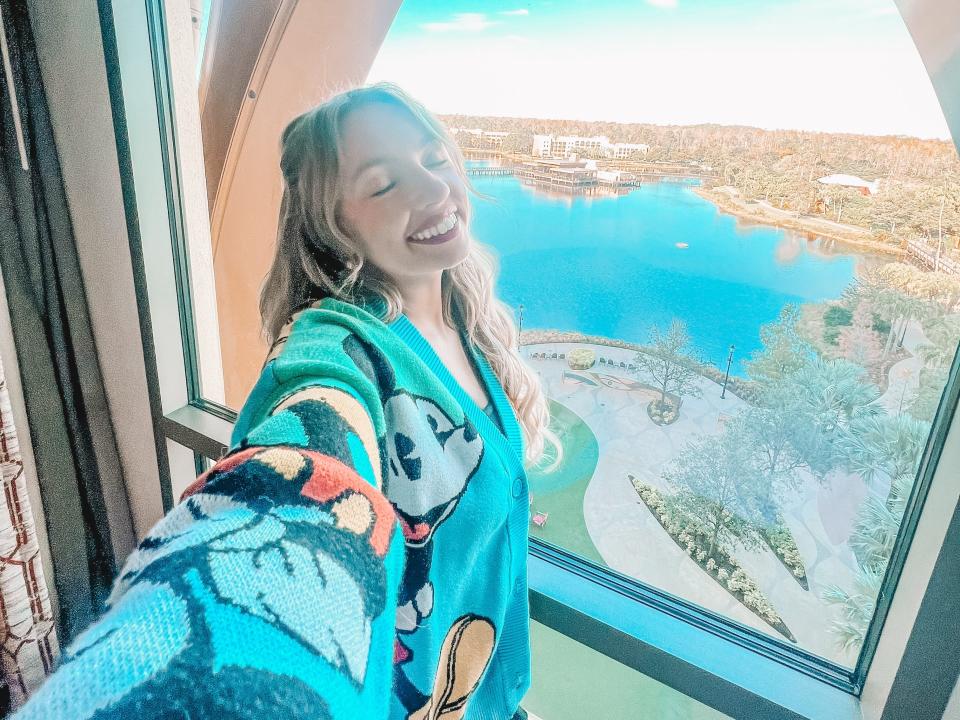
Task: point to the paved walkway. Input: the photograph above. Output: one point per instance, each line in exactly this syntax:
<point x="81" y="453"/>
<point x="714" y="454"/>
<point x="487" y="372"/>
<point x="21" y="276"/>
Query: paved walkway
<point x="905" y="375"/>
<point x="630" y="540"/>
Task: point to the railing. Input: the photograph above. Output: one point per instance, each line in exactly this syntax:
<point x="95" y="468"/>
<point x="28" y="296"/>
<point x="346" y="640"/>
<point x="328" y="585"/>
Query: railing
<point x="489" y="171"/>
<point x="927" y="257"/>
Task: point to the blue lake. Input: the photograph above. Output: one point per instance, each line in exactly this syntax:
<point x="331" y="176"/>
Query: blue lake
<point x="611" y="266"/>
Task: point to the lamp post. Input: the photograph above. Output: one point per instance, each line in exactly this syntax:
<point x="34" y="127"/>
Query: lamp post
<point x="723" y="393"/>
<point x="519" y="325"/>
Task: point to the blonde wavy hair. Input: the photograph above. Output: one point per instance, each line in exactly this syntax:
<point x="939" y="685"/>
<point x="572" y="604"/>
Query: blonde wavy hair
<point x="316" y="258"/>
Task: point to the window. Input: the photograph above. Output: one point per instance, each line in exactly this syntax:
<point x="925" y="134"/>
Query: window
<point x="728" y="280"/>
<point x="743" y="363"/>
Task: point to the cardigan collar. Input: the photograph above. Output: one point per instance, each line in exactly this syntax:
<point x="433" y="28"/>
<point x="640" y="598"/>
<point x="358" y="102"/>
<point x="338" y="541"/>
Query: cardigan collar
<point x="509" y="441"/>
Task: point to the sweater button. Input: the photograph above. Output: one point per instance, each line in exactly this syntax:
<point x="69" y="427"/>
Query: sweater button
<point x="517" y="487"/>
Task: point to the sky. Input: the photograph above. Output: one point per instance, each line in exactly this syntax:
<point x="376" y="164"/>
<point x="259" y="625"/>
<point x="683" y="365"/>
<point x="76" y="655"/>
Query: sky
<point x="828" y="65"/>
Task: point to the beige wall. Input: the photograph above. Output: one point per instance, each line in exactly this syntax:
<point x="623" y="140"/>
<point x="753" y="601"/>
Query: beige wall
<point x="322" y="46"/>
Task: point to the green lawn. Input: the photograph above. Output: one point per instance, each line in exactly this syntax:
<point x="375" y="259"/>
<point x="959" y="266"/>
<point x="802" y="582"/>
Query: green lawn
<point x="560" y="493"/>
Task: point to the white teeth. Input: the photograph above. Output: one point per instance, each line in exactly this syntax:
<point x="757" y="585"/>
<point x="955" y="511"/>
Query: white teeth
<point x="440" y="228"/>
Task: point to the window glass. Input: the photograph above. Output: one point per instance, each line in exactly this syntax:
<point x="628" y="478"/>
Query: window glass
<point x="570" y="682"/>
<point x="734" y="261"/>
<point x="732" y="255"/>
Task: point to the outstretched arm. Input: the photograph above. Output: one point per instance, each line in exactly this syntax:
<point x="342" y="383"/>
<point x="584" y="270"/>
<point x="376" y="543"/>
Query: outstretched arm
<point x="268" y="592"/>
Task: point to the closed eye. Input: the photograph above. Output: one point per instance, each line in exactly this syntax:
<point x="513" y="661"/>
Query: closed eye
<point x="384" y="190"/>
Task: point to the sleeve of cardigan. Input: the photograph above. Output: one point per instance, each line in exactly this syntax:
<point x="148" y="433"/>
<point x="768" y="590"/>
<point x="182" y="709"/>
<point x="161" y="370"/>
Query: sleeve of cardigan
<point x="269" y="592"/>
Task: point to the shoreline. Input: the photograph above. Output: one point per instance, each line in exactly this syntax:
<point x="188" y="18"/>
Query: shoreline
<point x="726" y="203"/>
<point x="742" y="387"/>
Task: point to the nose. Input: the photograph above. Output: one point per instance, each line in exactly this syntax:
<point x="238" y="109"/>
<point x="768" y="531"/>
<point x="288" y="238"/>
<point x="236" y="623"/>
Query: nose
<point x="429" y="188"/>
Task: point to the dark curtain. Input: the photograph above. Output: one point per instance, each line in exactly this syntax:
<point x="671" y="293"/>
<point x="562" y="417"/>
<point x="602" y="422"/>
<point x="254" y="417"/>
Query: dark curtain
<point x="70" y="426"/>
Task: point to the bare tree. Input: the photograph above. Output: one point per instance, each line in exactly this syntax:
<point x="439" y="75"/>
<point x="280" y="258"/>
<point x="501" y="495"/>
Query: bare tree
<point x="669" y="363"/>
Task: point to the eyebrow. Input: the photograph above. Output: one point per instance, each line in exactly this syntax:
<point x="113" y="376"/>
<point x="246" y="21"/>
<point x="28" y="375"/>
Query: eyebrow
<point x="427" y="140"/>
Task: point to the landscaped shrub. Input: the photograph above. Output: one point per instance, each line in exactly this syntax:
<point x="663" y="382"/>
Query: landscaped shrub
<point x="581" y="359"/>
<point x="837" y="316"/>
<point x="785" y="548"/>
<point x="691" y="536"/>
<point x="663" y="413"/>
<point x="831" y="334"/>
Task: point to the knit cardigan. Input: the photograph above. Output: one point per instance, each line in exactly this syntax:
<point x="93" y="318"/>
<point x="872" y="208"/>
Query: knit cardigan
<point x="359" y="552"/>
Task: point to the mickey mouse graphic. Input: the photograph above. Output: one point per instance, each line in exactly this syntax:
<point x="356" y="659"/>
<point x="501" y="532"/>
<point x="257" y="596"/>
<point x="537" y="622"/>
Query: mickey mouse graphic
<point x="424" y="479"/>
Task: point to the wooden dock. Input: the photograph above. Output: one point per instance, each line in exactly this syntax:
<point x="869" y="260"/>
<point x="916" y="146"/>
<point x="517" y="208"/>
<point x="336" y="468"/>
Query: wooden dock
<point x="925" y="256"/>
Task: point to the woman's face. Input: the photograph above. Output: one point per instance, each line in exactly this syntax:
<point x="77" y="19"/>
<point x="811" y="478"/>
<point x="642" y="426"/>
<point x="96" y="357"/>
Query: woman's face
<point x="401" y="200"/>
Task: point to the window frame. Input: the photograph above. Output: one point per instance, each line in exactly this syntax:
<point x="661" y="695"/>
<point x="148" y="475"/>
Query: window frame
<point x="736" y="670"/>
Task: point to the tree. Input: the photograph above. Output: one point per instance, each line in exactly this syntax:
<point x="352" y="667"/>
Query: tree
<point x="924" y="404"/>
<point x="878" y="523"/>
<point x="858" y="341"/>
<point x="890" y="303"/>
<point x="766" y="433"/>
<point x="717" y="486"/>
<point x="669" y="364"/>
<point x="885" y="445"/>
<point x="835" y="196"/>
<point x="828" y="396"/>
<point x="887" y="211"/>
<point x="872" y="541"/>
<point x="943" y="332"/>
<point x="857" y="607"/>
<point x="784" y="350"/>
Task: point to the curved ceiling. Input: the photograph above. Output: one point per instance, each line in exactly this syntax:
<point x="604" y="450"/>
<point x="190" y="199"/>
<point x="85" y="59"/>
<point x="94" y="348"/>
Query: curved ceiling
<point x="265" y="62"/>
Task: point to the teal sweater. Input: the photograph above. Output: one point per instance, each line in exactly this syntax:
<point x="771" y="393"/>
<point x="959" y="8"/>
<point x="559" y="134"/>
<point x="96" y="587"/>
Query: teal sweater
<point x="360" y="552"/>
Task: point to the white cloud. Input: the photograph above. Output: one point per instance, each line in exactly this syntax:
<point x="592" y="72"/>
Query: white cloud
<point x="462" y="22"/>
<point x="669" y="4"/>
<point x="522" y="11"/>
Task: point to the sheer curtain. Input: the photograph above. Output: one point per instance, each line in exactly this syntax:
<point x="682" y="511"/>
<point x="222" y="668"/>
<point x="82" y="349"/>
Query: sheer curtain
<point x="29" y="645"/>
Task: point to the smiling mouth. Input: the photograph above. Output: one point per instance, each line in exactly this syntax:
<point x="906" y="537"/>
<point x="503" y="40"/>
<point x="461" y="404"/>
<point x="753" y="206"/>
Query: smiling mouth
<point x="447" y="229"/>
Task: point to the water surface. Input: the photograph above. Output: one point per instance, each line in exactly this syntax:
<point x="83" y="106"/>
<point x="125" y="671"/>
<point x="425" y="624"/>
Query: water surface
<point x="612" y="266"/>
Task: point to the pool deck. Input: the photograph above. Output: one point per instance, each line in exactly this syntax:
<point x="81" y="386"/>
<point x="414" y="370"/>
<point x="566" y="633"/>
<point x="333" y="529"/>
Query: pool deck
<point x="630" y="540"/>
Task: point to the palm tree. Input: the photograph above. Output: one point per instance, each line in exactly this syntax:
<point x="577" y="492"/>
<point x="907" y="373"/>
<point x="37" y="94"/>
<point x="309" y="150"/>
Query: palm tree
<point x="943" y="331"/>
<point x="872" y="541"/>
<point x="856" y="606"/>
<point x="878" y="523"/>
<point x="889" y="445"/>
<point x="890" y="303"/>
<point x="911" y="308"/>
<point x="829" y="395"/>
